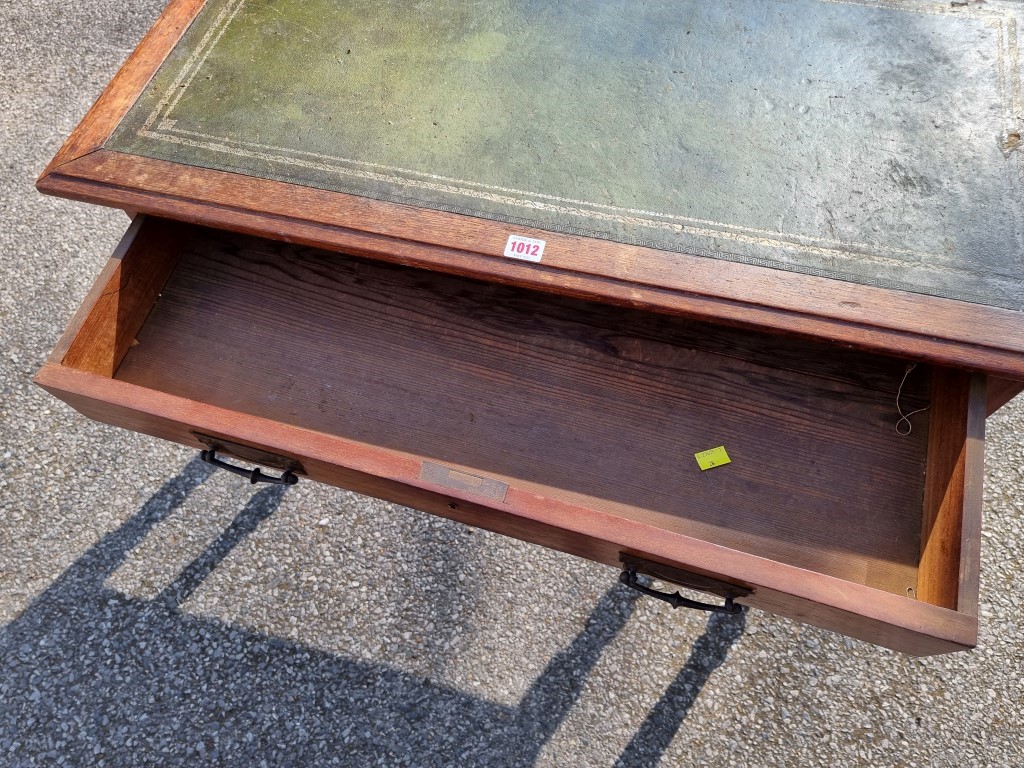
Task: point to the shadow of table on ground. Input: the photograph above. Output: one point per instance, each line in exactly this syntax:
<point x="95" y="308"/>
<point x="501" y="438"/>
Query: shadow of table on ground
<point x="89" y="676"/>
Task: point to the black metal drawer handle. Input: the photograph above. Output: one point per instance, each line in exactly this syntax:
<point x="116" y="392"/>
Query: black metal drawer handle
<point x="676" y="600"/>
<point x="254" y="475"/>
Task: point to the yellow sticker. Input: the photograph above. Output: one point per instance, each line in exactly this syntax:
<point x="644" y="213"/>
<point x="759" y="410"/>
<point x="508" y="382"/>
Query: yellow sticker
<point x="715" y="457"/>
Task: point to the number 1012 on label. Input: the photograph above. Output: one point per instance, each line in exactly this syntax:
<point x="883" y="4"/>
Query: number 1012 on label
<point x="525" y="248"/>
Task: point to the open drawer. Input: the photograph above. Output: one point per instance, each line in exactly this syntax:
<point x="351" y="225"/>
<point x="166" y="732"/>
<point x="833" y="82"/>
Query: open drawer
<point x="564" y="422"/>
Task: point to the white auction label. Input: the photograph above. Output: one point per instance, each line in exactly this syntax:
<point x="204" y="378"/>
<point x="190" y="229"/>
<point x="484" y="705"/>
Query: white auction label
<point x="525" y="248"/>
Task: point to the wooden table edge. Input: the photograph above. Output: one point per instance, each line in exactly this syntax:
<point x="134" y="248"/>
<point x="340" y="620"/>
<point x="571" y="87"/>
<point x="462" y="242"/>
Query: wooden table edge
<point x="898" y="323"/>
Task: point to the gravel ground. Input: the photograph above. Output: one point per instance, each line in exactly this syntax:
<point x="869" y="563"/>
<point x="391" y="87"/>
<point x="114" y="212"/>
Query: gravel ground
<point x="153" y="613"/>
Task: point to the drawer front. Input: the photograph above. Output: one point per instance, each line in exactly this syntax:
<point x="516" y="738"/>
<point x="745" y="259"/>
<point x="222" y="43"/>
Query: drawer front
<point x="621" y="384"/>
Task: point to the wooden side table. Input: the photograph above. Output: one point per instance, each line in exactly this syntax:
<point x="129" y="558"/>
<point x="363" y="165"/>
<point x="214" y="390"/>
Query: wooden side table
<point x="523" y="265"/>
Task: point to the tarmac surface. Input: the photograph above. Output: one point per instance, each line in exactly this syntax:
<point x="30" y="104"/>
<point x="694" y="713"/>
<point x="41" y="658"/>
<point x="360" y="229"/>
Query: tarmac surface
<point x="153" y="613"/>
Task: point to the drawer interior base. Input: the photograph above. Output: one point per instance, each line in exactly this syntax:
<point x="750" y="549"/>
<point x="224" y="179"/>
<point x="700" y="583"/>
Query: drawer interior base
<point x="599" y="406"/>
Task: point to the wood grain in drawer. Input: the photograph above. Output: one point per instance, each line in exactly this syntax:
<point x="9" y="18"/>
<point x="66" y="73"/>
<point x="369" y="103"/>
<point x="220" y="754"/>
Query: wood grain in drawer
<point x="588" y="413"/>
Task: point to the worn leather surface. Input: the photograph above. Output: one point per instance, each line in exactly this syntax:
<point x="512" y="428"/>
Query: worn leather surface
<point x="877" y="142"/>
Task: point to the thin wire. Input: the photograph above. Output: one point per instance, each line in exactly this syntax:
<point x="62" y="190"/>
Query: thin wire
<point x="905" y="417"/>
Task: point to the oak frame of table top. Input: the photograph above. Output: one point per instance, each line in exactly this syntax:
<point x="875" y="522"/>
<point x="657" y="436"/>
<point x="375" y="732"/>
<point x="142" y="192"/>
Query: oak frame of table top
<point x="916" y="326"/>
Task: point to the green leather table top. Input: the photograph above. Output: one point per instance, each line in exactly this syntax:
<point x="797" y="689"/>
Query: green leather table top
<point x="876" y="142"/>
